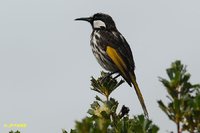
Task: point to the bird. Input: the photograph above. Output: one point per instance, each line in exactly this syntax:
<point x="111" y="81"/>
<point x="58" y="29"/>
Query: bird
<point x="112" y="51"/>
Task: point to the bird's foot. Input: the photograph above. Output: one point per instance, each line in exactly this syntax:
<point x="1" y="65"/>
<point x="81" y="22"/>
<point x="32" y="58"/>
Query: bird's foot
<point x="108" y="76"/>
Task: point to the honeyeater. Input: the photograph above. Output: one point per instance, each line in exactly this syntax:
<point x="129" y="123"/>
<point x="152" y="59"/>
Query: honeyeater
<point x="112" y="51"/>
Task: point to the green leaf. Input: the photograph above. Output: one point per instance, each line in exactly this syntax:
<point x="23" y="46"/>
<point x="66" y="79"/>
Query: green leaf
<point x="14" y="132"/>
<point x="64" y="131"/>
<point x="90" y="111"/>
<point x="183" y="107"/>
<point x="105" y="84"/>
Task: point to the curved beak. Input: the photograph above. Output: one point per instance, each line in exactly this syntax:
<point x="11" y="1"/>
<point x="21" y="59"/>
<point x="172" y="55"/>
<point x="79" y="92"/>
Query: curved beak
<point x="88" y="19"/>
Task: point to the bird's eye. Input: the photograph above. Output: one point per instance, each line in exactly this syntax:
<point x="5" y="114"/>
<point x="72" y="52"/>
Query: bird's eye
<point x="99" y="24"/>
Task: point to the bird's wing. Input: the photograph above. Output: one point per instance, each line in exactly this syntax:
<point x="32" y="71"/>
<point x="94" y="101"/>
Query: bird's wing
<point x="119" y="44"/>
<point x="120" y="53"/>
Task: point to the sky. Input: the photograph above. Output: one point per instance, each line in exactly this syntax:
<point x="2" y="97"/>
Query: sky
<point x="46" y="61"/>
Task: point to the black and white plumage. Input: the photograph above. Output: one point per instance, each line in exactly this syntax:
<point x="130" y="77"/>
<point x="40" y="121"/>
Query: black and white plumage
<point x="112" y="50"/>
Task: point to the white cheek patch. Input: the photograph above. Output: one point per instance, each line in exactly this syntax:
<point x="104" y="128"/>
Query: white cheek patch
<point x="98" y="24"/>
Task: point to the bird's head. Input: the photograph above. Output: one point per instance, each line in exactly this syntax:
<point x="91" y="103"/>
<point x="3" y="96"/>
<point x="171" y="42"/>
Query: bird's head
<point x="100" y="21"/>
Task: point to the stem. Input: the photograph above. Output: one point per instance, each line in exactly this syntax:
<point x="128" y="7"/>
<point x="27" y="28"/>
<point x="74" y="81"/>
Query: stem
<point x="178" y="127"/>
<point x="107" y="97"/>
<point x="178" y="123"/>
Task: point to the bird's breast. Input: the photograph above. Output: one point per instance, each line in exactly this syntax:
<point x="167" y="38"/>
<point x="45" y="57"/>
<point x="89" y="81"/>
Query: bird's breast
<point x="99" y="50"/>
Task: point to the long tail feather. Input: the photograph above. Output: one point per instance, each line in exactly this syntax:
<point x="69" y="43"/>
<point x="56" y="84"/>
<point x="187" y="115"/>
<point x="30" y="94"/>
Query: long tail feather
<point x="121" y="65"/>
<point x="139" y="94"/>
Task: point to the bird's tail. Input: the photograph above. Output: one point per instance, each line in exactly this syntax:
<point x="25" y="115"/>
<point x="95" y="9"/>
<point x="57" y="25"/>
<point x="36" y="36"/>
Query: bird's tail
<point x="139" y="94"/>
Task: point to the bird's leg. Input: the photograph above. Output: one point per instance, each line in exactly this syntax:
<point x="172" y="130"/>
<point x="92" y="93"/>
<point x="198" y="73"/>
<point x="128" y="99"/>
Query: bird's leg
<point x="108" y="75"/>
<point x="111" y="73"/>
<point x="116" y="76"/>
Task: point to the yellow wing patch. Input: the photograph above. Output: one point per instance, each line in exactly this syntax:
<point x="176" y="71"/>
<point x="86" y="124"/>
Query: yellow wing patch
<point x="112" y="53"/>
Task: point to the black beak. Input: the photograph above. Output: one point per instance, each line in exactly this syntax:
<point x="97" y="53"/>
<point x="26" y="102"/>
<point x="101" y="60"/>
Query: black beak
<point x="88" y="19"/>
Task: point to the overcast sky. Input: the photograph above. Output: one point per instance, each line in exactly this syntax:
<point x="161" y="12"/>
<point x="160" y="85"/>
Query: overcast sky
<point x="46" y="60"/>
